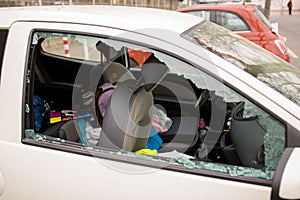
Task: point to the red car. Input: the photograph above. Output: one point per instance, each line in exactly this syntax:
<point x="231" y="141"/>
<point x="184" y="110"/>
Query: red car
<point x="245" y="20"/>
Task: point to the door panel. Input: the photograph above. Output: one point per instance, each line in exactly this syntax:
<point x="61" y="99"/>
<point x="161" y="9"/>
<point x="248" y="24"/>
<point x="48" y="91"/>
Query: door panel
<point x="37" y="173"/>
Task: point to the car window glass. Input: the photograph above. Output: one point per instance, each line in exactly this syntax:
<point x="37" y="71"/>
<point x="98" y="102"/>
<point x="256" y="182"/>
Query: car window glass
<point x="231" y="21"/>
<point x="201" y="13"/>
<point x="3" y="36"/>
<point x="194" y="121"/>
<point x="83" y="48"/>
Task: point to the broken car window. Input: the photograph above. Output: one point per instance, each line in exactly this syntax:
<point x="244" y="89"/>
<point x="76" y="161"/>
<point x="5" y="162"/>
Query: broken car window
<point x="198" y="122"/>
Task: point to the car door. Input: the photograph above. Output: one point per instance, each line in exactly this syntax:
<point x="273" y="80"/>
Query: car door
<point x="35" y="165"/>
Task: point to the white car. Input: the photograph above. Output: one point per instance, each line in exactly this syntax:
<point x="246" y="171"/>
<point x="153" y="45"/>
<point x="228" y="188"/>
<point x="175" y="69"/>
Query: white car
<point x="222" y="114"/>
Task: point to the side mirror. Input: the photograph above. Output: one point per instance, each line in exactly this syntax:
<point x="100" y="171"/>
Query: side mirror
<point x="287" y="177"/>
<point x="274" y="26"/>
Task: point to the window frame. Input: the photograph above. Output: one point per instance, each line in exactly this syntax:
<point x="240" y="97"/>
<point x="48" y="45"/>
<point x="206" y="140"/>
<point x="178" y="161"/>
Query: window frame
<point x="3" y="40"/>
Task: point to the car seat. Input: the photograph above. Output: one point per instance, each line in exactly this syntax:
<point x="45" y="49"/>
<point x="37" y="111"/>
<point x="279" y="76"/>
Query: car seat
<point x="127" y="120"/>
<point x="112" y="72"/>
<point x="247" y="136"/>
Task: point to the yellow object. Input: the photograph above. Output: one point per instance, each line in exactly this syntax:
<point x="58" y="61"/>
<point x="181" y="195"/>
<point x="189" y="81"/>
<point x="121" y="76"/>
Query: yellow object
<point x="147" y="152"/>
<point x="55" y="119"/>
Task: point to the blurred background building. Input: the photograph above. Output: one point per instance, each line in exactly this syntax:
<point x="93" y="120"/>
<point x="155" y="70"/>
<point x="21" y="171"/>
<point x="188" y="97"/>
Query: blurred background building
<point x="276" y="5"/>
<point x="163" y="4"/>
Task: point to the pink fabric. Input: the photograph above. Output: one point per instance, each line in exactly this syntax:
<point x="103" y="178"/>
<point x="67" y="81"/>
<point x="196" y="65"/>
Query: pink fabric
<point x="104" y="98"/>
<point x="202" y="123"/>
<point x="157" y="125"/>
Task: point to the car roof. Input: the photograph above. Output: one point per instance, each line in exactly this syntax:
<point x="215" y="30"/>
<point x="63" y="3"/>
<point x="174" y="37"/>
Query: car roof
<point x="228" y="7"/>
<point x="122" y="17"/>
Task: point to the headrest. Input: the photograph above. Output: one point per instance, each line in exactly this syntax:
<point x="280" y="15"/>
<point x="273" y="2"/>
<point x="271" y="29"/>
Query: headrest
<point x="109" y="73"/>
<point x="153" y="73"/>
<point x="108" y="51"/>
<point x="116" y="72"/>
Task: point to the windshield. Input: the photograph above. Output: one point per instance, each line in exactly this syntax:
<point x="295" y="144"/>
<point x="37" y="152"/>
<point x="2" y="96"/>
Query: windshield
<point x="253" y="59"/>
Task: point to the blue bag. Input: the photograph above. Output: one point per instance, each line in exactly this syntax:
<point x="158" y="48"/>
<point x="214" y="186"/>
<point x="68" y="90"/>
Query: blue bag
<point x="154" y="141"/>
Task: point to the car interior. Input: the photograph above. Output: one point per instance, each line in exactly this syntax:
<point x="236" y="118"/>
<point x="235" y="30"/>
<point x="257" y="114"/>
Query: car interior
<point x="204" y="126"/>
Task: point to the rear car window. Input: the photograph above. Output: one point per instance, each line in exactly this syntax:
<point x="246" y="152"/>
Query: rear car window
<point x="231" y="21"/>
<point x="201" y="13"/>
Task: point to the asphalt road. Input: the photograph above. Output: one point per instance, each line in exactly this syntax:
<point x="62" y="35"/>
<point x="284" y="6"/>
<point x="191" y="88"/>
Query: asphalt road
<point x="289" y="27"/>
